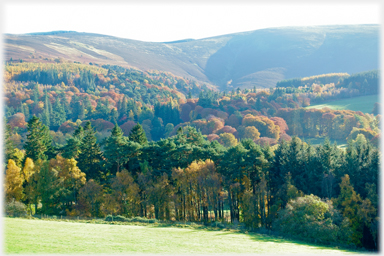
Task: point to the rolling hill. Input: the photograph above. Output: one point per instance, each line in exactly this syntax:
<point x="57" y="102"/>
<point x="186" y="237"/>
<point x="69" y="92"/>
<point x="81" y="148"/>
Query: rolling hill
<point x="255" y="58"/>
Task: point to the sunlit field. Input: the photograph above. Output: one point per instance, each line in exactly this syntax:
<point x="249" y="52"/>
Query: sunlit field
<point x="364" y="104"/>
<point x="42" y="236"/>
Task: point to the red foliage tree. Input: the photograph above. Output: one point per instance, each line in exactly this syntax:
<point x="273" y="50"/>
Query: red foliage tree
<point x="17" y="120"/>
<point x="68" y="127"/>
<point x="127" y="127"/>
<point x="212" y="137"/>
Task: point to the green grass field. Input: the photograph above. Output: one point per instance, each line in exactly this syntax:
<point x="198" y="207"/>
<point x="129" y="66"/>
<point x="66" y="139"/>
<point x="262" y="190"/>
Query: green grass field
<point x="362" y="103"/>
<point x="43" y="236"/>
<point x="320" y="141"/>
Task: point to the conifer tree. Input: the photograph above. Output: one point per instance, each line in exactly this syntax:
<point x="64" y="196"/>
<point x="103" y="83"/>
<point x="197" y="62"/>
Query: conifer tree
<point x="9" y="147"/>
<point x="118" y="149"/>
<point x="90" y="154"/>
<point x="58" y="115"/>
<point x="72" y="149"/>
<point x="137" y="134"/>
<point x="39" y="142"/>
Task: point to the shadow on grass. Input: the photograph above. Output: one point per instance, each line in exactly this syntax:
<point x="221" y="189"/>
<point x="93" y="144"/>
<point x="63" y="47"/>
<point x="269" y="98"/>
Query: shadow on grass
<point x="257" y="237"/>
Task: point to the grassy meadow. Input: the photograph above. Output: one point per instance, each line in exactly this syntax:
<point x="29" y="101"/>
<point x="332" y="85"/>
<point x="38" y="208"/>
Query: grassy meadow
<point x="320" y="141"/>
<point x="44" y="236"/>
<point x="362" y="103"/>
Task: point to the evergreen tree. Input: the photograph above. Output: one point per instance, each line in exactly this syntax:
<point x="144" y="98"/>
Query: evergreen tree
<point x="58" y="115"/>
<point x="72" y="149"/>
<point x="9" y="147"/>
<point x="39" y="142"/>
<point x="137" y="134"/>
<point x="90" y="154"/>
<point x="118" y="149"/>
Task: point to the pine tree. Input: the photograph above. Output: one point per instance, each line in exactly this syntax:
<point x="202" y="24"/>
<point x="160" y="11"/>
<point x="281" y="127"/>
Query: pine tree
<point x="118" y="149"/>
<point x="9" y="147"/>
<point x="72" y="149"/>
<point x="45" y="116"/>
<point x="90" y="154"/>
<point x="137" y="134"/>
<point x="39" y="142"/>
<point x="58" y="115"/>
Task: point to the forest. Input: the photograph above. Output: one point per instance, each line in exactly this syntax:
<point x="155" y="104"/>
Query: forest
<point x="85" y="140"/>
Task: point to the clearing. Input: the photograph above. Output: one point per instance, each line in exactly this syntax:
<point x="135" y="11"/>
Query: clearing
<point x="362" y="103"/>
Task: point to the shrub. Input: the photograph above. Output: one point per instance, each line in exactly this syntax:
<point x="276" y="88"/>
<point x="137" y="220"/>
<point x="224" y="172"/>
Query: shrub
<point x="143" y="220"/>
<point x="134" y="219"/>
<point x="312" y="219"/>
<point x="15" y="209"/>
<point x="115" y="218"/>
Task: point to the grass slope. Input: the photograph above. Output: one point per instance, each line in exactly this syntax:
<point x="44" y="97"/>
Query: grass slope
<point x="362" y="103"/>
<point x="42" y="236"/>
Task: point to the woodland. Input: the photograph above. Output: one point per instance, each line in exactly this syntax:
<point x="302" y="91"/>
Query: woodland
<point x="94" y="141"/>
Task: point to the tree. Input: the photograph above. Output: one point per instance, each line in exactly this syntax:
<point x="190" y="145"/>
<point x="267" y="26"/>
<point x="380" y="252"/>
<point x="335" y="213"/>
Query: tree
<point x="71" y="179"/>
<point x="91" y="198"/>
<point x="39" y="142"/>
<point x="72" y="149"/>
<point x="349" y="204"/>
<point x="58" y="115"/>
<point x="48" y="188"/>
<point x="90" y="154"/>
<point x="137" y="134"/>
<point x="228" y="140"/>
<point x="118" y="149"/>
<point x="9" y="147"/>
<point x="28" y="169"/>
<point x="126" y="193"/>
<point x="13" y="182"/>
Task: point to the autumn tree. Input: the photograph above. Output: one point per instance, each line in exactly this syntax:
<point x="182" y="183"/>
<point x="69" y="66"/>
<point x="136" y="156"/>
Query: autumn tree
<point x="126" y="193"/>
<point x="228" y="140"/>
<point x="13" y="182"/>
<point x="91" y="198"/>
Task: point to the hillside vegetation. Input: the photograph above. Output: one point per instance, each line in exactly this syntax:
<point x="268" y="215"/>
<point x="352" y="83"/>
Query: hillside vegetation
<point x="256" y="58"/>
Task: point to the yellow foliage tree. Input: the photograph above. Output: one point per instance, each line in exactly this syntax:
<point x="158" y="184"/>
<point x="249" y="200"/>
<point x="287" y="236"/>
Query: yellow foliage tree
<point x="13" y="182"/>
<point x="228" y="140"/>
<point x="126" y="193"/>
<point x="28" y="169"/>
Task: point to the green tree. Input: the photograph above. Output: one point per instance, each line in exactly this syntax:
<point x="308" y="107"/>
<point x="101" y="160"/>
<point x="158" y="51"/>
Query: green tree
<point x="39" y="142"/>
<point x="72" y="149"/>
<point x="90" y="155"/>
<point x="137" y="134"/>
<point x="118" y="149"/>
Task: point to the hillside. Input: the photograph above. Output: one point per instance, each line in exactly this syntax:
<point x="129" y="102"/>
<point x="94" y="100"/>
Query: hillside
<point x="257" y="58"/>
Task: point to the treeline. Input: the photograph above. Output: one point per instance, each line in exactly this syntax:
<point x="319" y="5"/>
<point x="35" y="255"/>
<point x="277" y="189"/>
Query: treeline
<point x="308" y="81"/>
<point x="364" y="83"/>
<point x="334" y="124"/>
<point x="330" y="193"/>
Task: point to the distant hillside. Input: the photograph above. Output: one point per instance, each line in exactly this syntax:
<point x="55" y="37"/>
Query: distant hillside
<point x="257" y="58"/>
